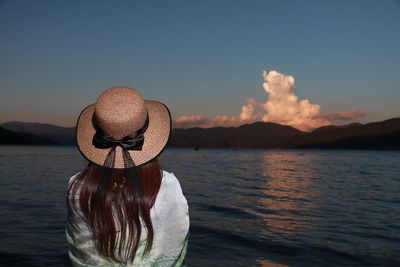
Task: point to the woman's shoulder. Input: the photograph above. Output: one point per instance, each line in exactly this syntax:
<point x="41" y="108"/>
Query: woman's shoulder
<point x="171" y="210"/>
<point x="170" y="190"/>
<point x="169" y="178"/>
<point x="170" y="184"/>
<point x="72" y="179"/>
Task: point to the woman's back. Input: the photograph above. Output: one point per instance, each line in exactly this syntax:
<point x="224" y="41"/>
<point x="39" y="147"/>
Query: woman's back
<point x="123" y="209"/>
<point x="170" y="220"/>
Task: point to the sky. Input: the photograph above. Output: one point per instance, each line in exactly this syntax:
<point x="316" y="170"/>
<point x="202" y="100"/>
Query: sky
<point x="213" y="63"/>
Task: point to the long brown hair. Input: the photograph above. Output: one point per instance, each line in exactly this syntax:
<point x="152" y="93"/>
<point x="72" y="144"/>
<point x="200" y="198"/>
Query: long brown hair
<point x="114" y="204"/>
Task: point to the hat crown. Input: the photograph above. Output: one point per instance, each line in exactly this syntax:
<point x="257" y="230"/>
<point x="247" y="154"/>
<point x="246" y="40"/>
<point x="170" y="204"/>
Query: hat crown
<point x="120" y="111"/>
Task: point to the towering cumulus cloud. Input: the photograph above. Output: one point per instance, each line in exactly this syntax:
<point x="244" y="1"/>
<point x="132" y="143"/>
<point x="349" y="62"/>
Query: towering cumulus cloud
<point x="282" y="106"/>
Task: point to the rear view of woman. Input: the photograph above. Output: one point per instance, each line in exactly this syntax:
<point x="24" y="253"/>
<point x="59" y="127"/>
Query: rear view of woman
<point x="123" y="209"/>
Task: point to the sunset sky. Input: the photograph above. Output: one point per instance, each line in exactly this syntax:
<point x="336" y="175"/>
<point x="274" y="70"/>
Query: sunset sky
<point x="324" y="61"/>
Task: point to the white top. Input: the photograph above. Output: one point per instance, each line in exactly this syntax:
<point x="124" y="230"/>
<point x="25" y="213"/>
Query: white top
<point x="170" y="218"/>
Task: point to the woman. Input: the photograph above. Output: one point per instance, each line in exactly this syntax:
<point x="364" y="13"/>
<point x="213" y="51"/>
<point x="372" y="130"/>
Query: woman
<point x="123" y="209"/>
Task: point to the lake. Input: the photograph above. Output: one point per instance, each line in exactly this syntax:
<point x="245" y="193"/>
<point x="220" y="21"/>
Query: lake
<point x="247" y="207"/>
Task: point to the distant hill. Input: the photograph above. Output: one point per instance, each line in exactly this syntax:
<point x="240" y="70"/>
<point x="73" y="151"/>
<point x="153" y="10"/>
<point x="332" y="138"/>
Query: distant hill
<point x="12" y="138"/>
<point x="330" y="127"/>
<point x="59" y="134"/>
<point x="327" y="136"/>
<point x="375" y="135"/>
<point x="256" y="135"/>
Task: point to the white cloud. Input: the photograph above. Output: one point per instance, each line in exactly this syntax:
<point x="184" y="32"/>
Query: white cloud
<point x="282" y="106"/>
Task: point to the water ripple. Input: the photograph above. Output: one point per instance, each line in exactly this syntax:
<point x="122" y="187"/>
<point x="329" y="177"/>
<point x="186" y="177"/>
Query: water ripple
<point x="247" y="207"/>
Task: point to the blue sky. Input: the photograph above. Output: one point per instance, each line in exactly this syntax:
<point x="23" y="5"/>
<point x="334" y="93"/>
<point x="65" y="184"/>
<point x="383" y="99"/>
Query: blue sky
<point x="198" y="57"/>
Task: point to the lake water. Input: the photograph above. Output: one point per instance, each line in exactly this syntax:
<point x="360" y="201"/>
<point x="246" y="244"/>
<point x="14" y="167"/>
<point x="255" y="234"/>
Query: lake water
<point x="247" y="207"/>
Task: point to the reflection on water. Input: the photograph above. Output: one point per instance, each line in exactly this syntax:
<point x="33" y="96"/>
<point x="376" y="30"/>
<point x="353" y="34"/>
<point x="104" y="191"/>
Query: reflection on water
<point x="268" y="263"/>
<point x="290" y="188"/>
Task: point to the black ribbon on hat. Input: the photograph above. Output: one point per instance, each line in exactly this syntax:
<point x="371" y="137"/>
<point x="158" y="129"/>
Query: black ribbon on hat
<point x="133" y="141"/>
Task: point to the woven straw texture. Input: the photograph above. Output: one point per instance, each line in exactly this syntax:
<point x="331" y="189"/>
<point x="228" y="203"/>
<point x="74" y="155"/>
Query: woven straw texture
<point x="119" y="112"/>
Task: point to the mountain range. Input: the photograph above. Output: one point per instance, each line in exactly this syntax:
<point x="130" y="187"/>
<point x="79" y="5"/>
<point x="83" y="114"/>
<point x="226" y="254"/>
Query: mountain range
<point x="58" y="134"/>
<point x="376" y="135"/>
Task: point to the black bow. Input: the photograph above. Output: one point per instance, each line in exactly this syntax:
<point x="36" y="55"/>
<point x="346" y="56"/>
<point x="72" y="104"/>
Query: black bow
<point x="133" y="141"/>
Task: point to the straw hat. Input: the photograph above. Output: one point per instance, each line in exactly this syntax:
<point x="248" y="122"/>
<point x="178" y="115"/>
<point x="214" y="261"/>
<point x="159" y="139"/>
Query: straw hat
<point x="121" y="112"/>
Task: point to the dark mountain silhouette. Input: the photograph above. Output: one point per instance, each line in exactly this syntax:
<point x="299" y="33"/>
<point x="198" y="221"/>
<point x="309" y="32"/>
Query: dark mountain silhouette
<point x="62" y="135"/>
<point x="256" y="135"/>
<point x="375" y="135"/>
<point x="12" y="138"/>
<point x="330" y="127"/>
<point x="332" y="134"/>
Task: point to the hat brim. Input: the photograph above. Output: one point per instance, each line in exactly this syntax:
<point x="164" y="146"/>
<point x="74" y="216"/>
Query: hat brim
<point x="155" y="137"/>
